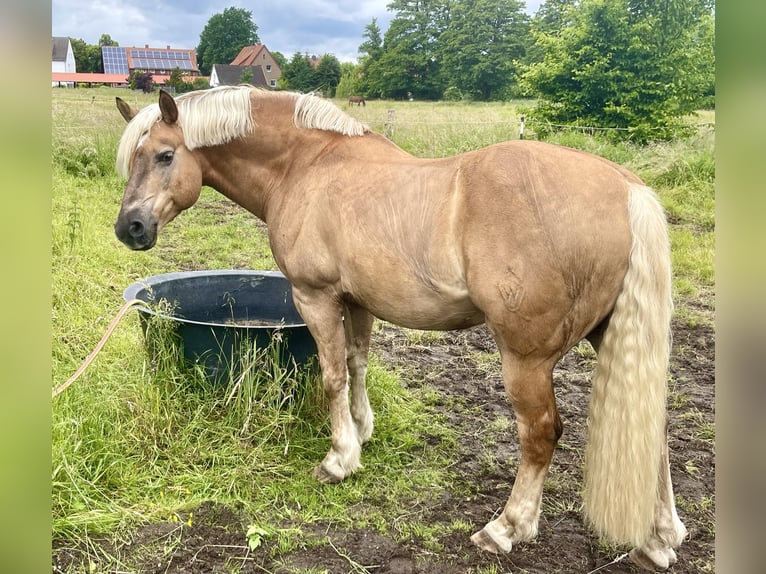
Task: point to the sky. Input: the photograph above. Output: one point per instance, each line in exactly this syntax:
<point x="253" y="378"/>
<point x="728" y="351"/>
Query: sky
<point x="315" y="27"/>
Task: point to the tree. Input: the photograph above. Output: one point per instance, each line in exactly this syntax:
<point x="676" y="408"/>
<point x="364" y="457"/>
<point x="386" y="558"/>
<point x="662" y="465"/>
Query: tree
<point x="409" y="65"/>
<point x="554" y="15"/>
<point x="175" y="80"/>
<point x="551" y="17"/>
<point x="327" y="74"/>
<point x="247" y="76"/>
<point x="481" y="44"/>
<point x="200" y="84"/>
<point x="279" y="58"/>
<point x="370" y="52"/>
<point x="87" y="57"/>
<point x="224" y="35"/>
<point x="372" y="47"/>
<point x="350" y="81"/>
<point x="143" y="81"/>
<point x="636" y="65"/>
<point x="106" y="40"/>
<point x="298" y="74"/>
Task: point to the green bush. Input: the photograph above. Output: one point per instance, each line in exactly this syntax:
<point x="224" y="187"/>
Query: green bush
<point x="85" y="158"/>
<point x="452" y="94"/>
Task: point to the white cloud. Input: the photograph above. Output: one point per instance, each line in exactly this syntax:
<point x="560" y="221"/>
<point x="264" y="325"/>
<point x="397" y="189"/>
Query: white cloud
<point x="287" y="26"/>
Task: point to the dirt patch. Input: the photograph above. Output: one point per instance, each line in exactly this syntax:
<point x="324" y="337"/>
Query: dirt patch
<point x="459" y="366"/>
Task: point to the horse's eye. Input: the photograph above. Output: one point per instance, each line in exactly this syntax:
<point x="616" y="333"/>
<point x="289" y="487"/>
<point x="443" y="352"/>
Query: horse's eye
<point x="165" y="157"/>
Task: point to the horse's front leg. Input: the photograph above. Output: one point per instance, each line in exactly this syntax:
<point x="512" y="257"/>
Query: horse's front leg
<point x="357" y="323"/>
<point x="323" y="315"/>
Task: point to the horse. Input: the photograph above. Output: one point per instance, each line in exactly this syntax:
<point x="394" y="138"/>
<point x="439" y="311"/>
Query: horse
<point x="358" y="100"/>
<point x="546" y="245"/>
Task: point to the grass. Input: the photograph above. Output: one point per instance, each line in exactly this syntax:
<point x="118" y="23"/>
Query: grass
<point x="137" y="441"/>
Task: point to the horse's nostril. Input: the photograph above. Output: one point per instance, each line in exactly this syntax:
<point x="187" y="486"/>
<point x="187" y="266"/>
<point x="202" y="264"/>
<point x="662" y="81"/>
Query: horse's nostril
<point x="136" y="229"/>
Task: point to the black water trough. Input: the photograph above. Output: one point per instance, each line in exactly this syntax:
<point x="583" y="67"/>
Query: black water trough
<point x="219" y="313"/>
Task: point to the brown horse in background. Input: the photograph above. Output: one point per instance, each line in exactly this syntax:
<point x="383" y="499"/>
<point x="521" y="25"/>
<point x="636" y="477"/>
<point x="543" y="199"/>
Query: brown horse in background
<point x="358" y="100"/>
<point x="545" y="244"/>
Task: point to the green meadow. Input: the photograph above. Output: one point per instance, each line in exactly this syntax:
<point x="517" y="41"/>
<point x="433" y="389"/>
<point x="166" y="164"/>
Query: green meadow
<point x="137" y="441"/>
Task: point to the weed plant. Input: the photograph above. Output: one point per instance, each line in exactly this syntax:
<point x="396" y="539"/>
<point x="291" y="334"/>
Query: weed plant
<point x="143" y="438"/>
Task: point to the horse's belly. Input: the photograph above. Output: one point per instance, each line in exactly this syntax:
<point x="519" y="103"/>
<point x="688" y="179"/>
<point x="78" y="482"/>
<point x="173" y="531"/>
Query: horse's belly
<point x="425" y="308"/>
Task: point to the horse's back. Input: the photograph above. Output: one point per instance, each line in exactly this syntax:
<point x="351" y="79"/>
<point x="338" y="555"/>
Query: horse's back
<point x="566" y="198"/>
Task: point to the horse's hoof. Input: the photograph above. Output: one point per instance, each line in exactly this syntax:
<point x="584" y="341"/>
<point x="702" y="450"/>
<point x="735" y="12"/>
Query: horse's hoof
<point x="324" y="475"/>
<point x="655" y="560"/>
<point x="486" y="542"/>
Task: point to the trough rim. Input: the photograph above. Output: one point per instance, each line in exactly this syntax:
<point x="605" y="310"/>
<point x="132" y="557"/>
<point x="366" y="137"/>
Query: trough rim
<point x="142" y="285"/>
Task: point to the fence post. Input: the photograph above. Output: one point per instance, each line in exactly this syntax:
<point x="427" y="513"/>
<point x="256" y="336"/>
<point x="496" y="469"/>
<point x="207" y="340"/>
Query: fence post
<point x="521" y="129"/>
<point x="390" y="124"/>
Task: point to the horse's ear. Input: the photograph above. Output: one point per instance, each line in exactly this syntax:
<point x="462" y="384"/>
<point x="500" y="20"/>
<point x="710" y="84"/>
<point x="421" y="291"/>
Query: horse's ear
<point x="128" y="112"/>
<point x="168" y="108"/>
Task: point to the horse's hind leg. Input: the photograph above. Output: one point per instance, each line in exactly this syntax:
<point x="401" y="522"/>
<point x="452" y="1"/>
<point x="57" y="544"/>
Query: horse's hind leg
<point x="529" y="385"/>
<point x="357" y="323"/>
<point x="658" y="553"/>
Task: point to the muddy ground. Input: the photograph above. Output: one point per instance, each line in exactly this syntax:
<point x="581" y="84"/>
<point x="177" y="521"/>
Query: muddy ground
<point x="452" y="365"/>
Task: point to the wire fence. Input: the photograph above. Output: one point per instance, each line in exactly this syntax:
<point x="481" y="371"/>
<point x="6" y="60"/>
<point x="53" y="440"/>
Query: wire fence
<point x="519" y="125"/>
<point x="522" y="122"/>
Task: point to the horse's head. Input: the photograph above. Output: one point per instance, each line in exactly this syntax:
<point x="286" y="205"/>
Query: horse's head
<point x="164" y="177"/>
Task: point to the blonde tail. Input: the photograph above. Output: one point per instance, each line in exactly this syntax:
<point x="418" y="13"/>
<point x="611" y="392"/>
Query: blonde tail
<point x="628" y="404"/>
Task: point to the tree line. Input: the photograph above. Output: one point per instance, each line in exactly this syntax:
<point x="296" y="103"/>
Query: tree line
<point x="635" y="66"/>
<point x="631" y="65"/>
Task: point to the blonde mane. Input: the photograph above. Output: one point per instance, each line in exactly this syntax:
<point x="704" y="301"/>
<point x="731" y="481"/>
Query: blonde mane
<point x="313" y="112"/>
<point x="219" y="115"/>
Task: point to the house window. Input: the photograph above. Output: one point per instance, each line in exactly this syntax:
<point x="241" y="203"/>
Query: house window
<point x="268" y="67"/>
<point x="273" y="83"/>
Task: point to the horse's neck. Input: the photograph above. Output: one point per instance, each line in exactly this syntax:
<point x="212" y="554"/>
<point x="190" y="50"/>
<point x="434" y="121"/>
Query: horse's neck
<point x="238" y="175"/>
<point x="250" y="171"/>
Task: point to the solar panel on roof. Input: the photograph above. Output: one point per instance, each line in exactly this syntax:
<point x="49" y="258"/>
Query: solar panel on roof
<point x="115" y="60"/>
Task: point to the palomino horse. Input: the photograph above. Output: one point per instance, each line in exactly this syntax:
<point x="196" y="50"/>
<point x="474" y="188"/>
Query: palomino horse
<point x="545" y="244"/>
<point x="358" y="100"/>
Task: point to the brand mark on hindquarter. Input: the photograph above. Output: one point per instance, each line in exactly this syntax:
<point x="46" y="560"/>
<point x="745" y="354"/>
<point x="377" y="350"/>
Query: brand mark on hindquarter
<point x="512" y="291"/>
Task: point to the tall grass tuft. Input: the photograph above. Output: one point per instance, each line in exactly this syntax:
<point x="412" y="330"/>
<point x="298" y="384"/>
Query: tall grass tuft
<point x="86" y="157"/>
<point x="272" y="397"/>
<point x="685" y="173"/>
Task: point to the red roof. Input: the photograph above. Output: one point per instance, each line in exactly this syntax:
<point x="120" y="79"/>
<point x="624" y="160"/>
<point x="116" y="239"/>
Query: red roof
<point x="248" y="55"/>
<point x="90" y="77"/>
<point x="93" y="78"/>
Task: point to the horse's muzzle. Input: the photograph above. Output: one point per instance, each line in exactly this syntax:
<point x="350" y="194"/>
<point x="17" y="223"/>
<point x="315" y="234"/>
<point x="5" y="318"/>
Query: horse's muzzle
<point x="137" y="232"/>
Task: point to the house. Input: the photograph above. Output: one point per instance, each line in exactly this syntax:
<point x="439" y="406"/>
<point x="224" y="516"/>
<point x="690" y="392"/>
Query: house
<point x="62" y="57"/>
<point x="156" y="61"/>
<point x="120" y="62"/>
<point x="259" y="55"/>
<point x="230" y="75"/>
